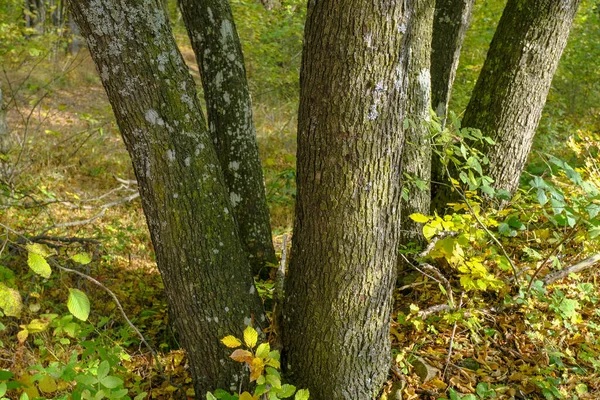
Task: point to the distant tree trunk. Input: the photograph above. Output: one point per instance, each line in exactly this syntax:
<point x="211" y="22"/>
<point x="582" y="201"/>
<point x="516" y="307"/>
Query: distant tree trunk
<point x="343" y="262"/>
<point x="450" y="24"/>
<point x="511" y="90"/>
<point x="4" y="132"/>
<point x="416" y="155"/>
<point x="75" y="41"/>
<point x="208" y="283"/>
<point x="218" y="51"/>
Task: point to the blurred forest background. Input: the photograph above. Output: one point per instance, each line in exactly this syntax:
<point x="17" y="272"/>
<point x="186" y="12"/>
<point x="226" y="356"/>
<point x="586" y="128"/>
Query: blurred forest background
<point x="66" y="182"/>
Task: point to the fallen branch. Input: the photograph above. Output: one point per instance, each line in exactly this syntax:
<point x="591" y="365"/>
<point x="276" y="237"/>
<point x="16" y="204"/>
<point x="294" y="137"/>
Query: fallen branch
<point x="580" y="266"/>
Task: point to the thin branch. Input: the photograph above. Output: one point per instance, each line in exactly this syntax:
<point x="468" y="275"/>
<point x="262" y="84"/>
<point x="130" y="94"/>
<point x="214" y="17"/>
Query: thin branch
<point x="580" y="266"/>
<point x="554" y="250"/>
<point x="95" y="217"/>
<point x="490" y="234"/>
<point x="452" y="340"/>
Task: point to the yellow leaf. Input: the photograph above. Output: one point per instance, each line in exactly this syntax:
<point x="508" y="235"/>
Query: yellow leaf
<point x="22" y="335"/>
<point x="256" y="369"/>
<point x="231" y="341"/>
<point x="250" y="336"/>
<point x="247" y="396"/>
<point x="271" y="362"/>
<point x="48" y="384"/>
<point x="242" y="356"/>
<point x="10" y="301"/>
<point x="37" y="325"/>
<point x="420" y="218"/>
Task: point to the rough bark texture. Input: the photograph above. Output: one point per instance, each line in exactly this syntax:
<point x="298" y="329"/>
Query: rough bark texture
<point x="217" y="47"/>
<point x="450" y="24"/>
<point x="511" y="90"/>
<point x="207" y="279"/>
<point x="416" y="155"/>
<point x="343" y="265"/>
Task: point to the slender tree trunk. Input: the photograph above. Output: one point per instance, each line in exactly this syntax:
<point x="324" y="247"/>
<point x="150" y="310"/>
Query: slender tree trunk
<point x="450" y="24"/>
<point x="511" y="90"/>
<point x="343" y="265"/>
<point x="416" y="155"/>
<point x="207" y="280"/>
<point x="218" y="51"/>
<point x="4" y="132"/>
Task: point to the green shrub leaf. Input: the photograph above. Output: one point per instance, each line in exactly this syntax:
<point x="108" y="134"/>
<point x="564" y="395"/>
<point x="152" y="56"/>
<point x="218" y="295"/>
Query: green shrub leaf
<point x="78" y="304"/>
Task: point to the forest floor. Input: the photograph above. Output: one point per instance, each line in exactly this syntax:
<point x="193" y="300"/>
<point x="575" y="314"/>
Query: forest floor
<point x="71" y="187"/>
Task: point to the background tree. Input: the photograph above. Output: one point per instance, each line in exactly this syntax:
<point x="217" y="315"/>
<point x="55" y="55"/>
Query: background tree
<point x="450" y="24"/>
<point x="207" y="279"/>
<point x="416" y="155"/>
<point x="511" y="90"/>
<point x="344" y="251"/>
<point x="219" y="55"/>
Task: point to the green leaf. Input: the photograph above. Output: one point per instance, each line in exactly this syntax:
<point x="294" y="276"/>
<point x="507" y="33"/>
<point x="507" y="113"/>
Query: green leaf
<point x="86" y="379"/>
<point x="38" y="264"/>
<point x="263" y="350"/>
<point x="209" y="396"/>
<point x="2" y="388"/>
<point x="5" y="375"/>
<point x="143" y="395"/>
<point x="286" y="391"/>
<point x="103" y="370"/>
<point x="274" y="381"/>
<point x="78" y="304"/>
<point x="302" y="394"/>
<point x="82" y="258"/>
<point x="111" y="382"/>
<point x="10" y="301"/>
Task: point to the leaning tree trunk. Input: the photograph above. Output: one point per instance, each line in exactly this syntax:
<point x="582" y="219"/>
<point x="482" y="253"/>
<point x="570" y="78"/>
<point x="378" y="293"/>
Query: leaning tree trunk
<point x="208" y="284"/>
<point x="219" y="54"/>
<point x="343" y="265"/>
<point x="416" y="155"/>
<point x="511" y="90"/>
<point x="450" y="24"/>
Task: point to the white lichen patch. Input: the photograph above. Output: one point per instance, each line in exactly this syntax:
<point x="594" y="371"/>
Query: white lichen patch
<point x="378" y="93"/>
<point x="247" y="320"/>
<point x="175" y="195"/>
<point x="187" y="161"/>
<point x="152" y="116"/>
<point x="424" y="79"/>
<point x="234" y="165"/>
<point x="187" y="100"/>
<point x="234" y="198"/>
<point x="171" y="155"/>
<point x="162" y="60"/>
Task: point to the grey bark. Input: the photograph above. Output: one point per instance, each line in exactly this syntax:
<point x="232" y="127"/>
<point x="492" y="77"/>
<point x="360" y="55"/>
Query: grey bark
<point x="511" y="90"/>
<point x="218" y="51"/>
<point x="4" y="132"/>
<point x="346" y="229"/>
<point x="416" y="155"/>
<point x="207" y="279"/>
<point x="450" y="24"/>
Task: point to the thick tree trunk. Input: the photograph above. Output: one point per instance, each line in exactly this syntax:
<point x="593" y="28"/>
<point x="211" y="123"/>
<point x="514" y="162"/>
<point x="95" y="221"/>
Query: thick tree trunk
<point x="219" y="54"/>
<point x="416" y="155"/>
<point x="343" y="265"/>
<point x="450" y="24"/>
<point x="511" y="90"/>
<point x="207" y="279"/>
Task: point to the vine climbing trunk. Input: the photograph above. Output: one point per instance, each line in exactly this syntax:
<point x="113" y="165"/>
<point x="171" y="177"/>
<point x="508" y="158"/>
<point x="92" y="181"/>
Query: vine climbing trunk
<point x="343" y="263"/>
<point x="218" y="51"/>
<point x="511" y="90"/>
<point x="416" y="155"/>
<point x="208" y="284"/>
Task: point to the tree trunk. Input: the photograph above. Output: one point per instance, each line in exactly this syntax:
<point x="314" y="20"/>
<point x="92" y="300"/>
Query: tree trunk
<point x="511" y="90"/>
<point x="450" y="24"/>
<point x="218" y="51"/>
<point x="343" y="265"/>
<point x="207" y="279"/>
<point x="4" y="132"/>
<point x="416" y="155"/>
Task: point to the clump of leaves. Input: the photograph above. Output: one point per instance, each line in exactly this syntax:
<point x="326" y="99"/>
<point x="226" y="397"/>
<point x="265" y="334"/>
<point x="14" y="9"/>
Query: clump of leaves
<point x="264" y="370"/>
